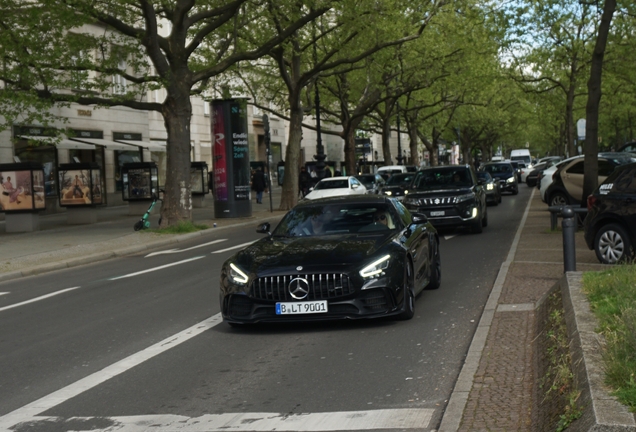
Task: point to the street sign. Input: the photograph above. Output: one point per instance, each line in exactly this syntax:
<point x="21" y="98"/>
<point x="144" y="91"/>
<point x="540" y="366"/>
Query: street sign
<point x="580" y="128"/>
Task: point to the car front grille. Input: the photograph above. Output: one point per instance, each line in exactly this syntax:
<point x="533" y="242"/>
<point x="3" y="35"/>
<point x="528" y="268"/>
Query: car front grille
<point x="437" y="201"/>
<point x="321" y="287"/>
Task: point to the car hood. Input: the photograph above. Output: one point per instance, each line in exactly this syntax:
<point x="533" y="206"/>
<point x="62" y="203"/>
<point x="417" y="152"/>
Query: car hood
<point x="285" y="254"/>
<point x="439" y="193"/>
<point x="502" y="176"/>
<point x="324" y="193"/>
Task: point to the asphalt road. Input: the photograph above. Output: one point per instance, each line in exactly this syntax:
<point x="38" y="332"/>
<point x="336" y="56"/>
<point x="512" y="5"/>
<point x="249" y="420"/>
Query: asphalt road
<point x="84" y="353"/>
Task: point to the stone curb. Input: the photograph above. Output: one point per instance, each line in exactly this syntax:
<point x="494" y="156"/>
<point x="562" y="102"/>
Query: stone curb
<point x="601" y="412"/>
<point x="129" y="250"/>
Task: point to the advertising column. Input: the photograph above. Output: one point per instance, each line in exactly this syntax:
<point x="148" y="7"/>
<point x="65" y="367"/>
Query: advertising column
<point x="230" y="159"/>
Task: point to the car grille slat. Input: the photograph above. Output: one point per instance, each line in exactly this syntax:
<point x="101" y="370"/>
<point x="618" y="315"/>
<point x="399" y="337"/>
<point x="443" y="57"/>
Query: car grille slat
<point x="437" y="201"/>
<point x="322" y="286"/>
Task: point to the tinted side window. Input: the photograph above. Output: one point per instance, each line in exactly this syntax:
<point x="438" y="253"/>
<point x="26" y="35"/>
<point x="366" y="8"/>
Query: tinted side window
<point x="625" y="181"/>
<point x="576" y="168"/>
<point x="605" y="168"/>
<point x="405" y="215"/>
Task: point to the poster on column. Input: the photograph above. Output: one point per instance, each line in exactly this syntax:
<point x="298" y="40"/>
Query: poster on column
<point x="219" y="167"/>
<point x="240" y="150"/>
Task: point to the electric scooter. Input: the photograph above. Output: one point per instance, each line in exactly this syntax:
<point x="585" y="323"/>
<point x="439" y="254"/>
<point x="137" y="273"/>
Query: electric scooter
<point x="144" y="223"/>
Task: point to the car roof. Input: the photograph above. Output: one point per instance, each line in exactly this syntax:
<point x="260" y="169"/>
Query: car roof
<point x="336" y="178"/>
<point x="346" y="199"/>
<point x="432" y="168"/>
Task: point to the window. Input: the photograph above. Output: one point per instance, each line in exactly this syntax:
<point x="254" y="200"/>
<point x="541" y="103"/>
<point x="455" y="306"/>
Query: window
<point x="119" y="82"/>
<point x="80" y="78"/>
<point x="576" y="168"/>
<point x="206" y="108"/>
<point x="605" y="168"/>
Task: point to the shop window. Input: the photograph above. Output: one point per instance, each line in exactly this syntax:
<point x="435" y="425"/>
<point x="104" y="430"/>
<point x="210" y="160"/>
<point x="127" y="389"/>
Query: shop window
<point x="123" y="157"/>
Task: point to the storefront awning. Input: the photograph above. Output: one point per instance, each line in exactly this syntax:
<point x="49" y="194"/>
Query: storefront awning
<point x="153" y="146"/>
<point x="110" y="145"/>
<point x="64" y="144"/>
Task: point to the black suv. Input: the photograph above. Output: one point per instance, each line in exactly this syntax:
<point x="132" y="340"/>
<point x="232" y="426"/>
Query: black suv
<point x="610" y="225"/>
<point x="505" y="174"/>
<point x="449" y="196"/>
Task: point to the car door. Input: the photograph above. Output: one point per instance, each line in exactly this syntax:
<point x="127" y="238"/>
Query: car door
<point x="416" y="240"/>
<point x="572" y="178"/>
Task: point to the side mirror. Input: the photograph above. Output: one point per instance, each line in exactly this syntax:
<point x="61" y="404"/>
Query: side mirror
<point x="264" y="228"/>
<point x="311" y="189"/>
<point x="354" y="186"/>
<point x="418" y="218"/>
<point x="481" y="181"/>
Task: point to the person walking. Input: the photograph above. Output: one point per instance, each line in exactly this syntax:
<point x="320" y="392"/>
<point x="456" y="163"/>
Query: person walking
<point x="259" y="185"/>
<point x="304" y="180"/>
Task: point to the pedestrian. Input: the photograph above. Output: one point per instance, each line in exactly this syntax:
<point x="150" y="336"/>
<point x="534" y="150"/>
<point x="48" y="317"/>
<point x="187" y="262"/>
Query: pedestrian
<point x="304" y="180"/>
<point x="259" y="185"/>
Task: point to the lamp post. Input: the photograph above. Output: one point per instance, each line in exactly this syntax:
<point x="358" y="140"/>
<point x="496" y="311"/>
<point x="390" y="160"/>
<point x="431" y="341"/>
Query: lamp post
<point x="320" y="150"/>
<point x="399" y="155"/>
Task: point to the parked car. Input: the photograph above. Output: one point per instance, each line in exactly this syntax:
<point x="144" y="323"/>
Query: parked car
<point x="629" y="147"/>
<point x="610" y="225"/>
<point x="450" y="196"/>
<point x="517" y="168"/>
<point x="554" y="159"/>
<point x="336" y="186"/>
<point x="567" y="181"/>
<point x="493" y="190"/>
<point x="397" y="185"/>
<point x="505" y="174"/>
<point x="373" y="182"/>
<point x="533" y="175"/>
<point x="333" y="258"/>
<point x="545" y="178"/>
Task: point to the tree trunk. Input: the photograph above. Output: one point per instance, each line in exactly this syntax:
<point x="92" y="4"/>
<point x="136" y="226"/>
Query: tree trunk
<point x="290" y="190"/>
<point x="415" y="154"/>
<point x="177" y="201"/>
<point x="350" y="146"/>
<point x="590" y="165"/>
<point x="569" y="114"/>
<point x="386" y="143"/>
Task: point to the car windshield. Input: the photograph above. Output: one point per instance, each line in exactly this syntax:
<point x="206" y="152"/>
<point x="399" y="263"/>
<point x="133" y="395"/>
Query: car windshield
<point x="442" y="178"/>
<point x="366" y="180"/>
<point x="310" y="221"/>
<point x="400" y="179"/>
<point x="484" y="175"/>
<point x="332" y="184"/>
<point x="498" y="168"/>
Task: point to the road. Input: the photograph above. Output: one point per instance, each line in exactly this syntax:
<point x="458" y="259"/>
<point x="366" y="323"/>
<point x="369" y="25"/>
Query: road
<point x="138" y="341"/>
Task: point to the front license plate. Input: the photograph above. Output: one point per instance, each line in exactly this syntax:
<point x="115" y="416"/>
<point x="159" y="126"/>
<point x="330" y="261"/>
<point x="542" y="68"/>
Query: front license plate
<point x="437" y="213"/>
<point x="308" y="307"/>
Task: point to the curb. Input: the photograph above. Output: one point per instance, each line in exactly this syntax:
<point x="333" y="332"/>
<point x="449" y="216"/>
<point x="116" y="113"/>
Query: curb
<point x="601" y="411"/>
<point x="124" y="251"/>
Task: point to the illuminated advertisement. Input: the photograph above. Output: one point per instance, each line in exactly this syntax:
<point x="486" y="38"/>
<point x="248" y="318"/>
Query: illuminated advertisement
<point x="219" y="168"/>
<point x="21" y="188"/>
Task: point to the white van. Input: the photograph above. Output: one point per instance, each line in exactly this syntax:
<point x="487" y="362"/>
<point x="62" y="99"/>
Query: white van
<point x="521" y="155"/>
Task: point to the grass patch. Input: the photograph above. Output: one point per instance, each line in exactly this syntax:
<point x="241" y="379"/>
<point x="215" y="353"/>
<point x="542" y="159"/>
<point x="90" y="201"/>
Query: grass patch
<point x="612" y="296"/>
<point x="558" y="382"/>
<point x="182" y="227"/>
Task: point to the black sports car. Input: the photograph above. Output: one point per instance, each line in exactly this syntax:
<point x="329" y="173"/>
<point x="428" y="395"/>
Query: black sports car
<point x="333" y="258"/>
<point x="397" y="185"/>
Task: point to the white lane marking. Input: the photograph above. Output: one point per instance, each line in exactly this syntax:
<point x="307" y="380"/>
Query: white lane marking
<point x="5" y="293"/>
<point x="28" y="412"/>
<point x="157" y="268"/>
<point x="235" y="247"/>
<point x="448" y="237"/>
<point x="37" y="298"/>
<point x="404" y="419"/>
<point x="170" y="251"/>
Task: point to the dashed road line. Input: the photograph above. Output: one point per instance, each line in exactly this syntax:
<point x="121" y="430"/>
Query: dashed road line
<point x="37" y="298"/>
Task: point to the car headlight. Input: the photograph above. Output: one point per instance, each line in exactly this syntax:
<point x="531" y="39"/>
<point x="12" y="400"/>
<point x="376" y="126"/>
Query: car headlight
<point x="389" y="193"/>
<point x="511" y="180"/>
<point x="376" y="267"/>
<point x="490" y="186"/>
<point x="405" y="192"/>
<point x="465" y="197"/>
<point x="237" y="275"/>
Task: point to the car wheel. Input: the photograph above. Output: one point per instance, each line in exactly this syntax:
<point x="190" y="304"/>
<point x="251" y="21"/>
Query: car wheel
<point x="530" y="184"/>
<point x="409" y="293"/>
<point x="612" y="244"/>
<point x="484" y="220"/>
<point x="499" y="197"/>
<point x="436" y="271"/>
<point x="515" y="191"/>
<point x="558" y="199"/>
<point x="477" y="226"/>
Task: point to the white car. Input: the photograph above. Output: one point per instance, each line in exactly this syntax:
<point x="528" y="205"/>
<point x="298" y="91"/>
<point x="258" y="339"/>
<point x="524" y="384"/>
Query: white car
<point x="336" y="186"/>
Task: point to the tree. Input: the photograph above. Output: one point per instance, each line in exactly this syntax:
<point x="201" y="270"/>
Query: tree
<point x="49" y="49"/>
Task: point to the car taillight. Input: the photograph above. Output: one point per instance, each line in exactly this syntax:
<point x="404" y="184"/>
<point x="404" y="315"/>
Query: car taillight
<point x="591" y="200"/>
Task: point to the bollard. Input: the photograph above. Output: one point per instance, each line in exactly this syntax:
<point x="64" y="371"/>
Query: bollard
<point x="569" y="230"/>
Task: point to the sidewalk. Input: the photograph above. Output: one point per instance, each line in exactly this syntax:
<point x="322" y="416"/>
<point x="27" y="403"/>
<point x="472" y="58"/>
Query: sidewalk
<point x="24" y="254"/>
<point x="494" y="391"/>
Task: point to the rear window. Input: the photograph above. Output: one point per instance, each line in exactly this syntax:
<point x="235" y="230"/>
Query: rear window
<point x="498" y="168"/>
<point x="620" y="181"/>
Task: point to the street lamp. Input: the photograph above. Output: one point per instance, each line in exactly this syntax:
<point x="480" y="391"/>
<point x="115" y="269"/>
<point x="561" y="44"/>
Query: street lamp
<point x="320" y="150"/>
<point x="399" y="155"/>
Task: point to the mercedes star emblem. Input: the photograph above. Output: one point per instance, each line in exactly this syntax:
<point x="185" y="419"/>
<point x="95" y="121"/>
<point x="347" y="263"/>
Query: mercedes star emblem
<point x="299" y="288"/>
<point x="299" y="268"/>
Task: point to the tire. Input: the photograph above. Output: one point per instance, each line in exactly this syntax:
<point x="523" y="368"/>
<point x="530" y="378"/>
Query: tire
<point x="477" y="226"/>
<point x="138" y="225"/>
<point x="500" y="198"/>
<point x="409" y="294"/>
<point x="531" y="184"/>
<point x="558" y="199"/>
<point x="612" y="244"/>
<point x="484" y="220"/>
<point x="436" y="271"/>
<point x="516" y="191"/>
